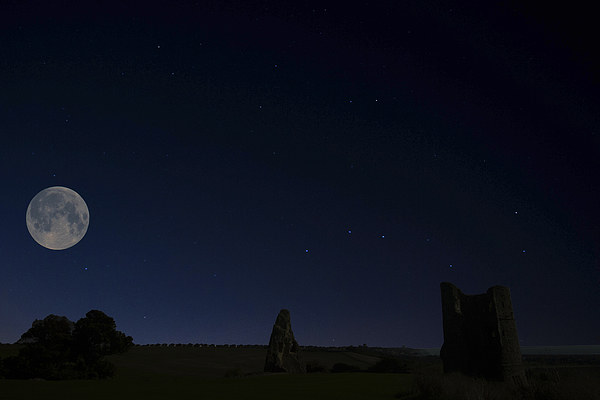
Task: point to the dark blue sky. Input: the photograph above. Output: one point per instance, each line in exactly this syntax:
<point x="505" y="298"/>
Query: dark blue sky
<point x="339" y="161"/>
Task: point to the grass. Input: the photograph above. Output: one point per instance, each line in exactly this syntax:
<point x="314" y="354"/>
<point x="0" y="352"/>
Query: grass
<point x="199" y="373"/>
<point x="545" y="383"/>
<point x="277" y="386"/>
<point x="216" y="362"/>
<point x="213" y="373"/>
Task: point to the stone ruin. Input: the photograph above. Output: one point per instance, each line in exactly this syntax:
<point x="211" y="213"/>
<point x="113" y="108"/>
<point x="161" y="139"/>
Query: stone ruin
<point x="282" y="353"/>
<point x="480" y="335"/>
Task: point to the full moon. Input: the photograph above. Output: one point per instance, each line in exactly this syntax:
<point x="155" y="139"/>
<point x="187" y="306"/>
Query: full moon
<point x="57" y="218"/>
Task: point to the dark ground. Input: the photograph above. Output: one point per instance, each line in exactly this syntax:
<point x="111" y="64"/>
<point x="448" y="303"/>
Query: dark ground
<point x="219" y="372"/>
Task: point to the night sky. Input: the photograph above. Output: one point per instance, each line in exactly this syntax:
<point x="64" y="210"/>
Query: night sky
<point x="239" y="157"/>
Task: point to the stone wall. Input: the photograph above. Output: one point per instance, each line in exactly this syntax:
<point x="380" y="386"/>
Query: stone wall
<point x="480" y="334"/>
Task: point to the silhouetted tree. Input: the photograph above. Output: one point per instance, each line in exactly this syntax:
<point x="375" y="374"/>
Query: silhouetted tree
<point x="96" y="336"/>
<point x="56" y="348"/>
<point x="47" y="352"/>
<point x="52" y="332"/>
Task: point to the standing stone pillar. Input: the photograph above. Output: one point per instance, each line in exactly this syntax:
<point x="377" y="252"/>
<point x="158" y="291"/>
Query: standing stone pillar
<point x="283" y="351"/>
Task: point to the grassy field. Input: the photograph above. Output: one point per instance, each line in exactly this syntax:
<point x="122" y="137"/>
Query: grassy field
<point x="309" y="386"/>
<point x="199" y="373"/>
<point x="142" y="361"/>
<point x="185" y="372"/>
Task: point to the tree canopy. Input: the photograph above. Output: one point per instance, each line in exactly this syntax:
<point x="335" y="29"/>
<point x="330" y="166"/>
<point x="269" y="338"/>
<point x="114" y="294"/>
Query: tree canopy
<point x="57" y="348"/>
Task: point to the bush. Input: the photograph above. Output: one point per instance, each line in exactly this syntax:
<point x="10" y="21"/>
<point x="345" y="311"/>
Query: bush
<point x="341" y="367"/>
<point x="234" y="373"/>
<point x="315" y="366"/>
<point x="387" y="365"/>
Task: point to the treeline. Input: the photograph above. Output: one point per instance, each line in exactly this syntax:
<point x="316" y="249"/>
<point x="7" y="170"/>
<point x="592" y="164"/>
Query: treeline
<point x="56" y="348"/>
<point x="220" y="346"/>
<point x="362" y="349"/>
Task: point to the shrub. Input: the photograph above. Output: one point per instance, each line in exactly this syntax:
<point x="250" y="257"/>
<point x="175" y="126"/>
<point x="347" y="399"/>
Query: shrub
<point x="341" y="367"/>
<point x="387" y="365"/>
<point x="543" y="374"/>
<point x="315" y="366"/>
<point x="234" y="373"/>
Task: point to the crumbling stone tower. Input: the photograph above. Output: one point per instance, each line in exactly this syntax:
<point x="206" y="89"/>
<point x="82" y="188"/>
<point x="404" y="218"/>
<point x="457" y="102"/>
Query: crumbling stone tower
<point x="480" y="334"/>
